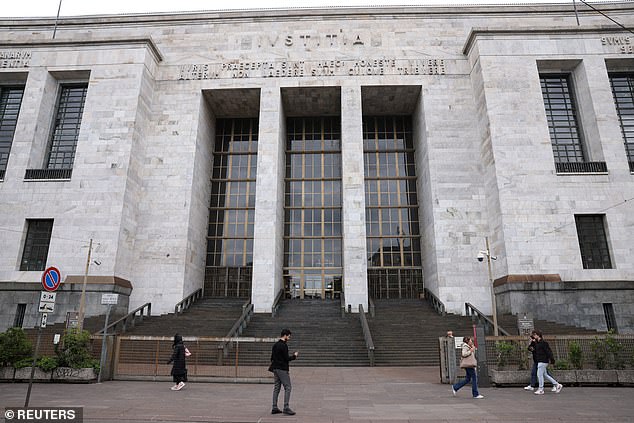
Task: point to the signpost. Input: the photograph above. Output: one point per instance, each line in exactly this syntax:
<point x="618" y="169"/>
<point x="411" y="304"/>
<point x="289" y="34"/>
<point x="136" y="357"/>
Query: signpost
<point x="51" y="278"/>
<point x="109" y="300"/>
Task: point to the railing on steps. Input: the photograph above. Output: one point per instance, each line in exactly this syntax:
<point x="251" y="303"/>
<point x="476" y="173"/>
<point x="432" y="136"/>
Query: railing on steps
<point x="435" y="302"/>
<point x="371" y="307"/>
<point x="367" y="335"/>
<point x="342" y="300"/>
<point x="129" y="320"/>
<point x="188" y="301"/>
<point x="236" y="330"/>
<point x="478" y="316"/>
<point x="276" y="302"/>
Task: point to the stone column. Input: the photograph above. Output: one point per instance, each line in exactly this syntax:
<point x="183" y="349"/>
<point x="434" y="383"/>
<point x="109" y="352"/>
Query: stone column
<point x="355" y="270"/>
<point x="268" y="242"/>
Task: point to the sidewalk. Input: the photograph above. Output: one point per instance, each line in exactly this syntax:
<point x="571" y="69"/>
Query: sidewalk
<point x="328" y="395"/>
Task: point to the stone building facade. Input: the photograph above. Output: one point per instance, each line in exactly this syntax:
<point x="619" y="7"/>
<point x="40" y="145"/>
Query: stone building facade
<point x="355" y="152"/>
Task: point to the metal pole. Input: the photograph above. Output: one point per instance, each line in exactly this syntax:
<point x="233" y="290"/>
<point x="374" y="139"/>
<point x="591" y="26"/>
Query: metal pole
<point x="493" y="304"/>
<point x="104" y="345"/>
<point x="57" y="18"/>
<point x="82" y="302"/>
<point x="37" y="350"/>
<point x="576" y="14"/>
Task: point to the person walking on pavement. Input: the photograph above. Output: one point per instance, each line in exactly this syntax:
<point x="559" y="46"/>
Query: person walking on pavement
<point x="534" y="382"/>
<point x="279" y="366"/>
<point x="179" y="368"/>
<point x="544" y="355"/>
<point x="468" y="363"/>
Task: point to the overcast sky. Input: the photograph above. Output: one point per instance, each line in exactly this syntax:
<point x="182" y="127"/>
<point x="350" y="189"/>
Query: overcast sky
<point x="26" y="8"/>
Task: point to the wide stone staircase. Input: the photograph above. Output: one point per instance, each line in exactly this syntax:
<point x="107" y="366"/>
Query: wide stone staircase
<point x="509" y="323"/>
<point x="320" y="334"/>
<point x="406" y="332"/>
<point x="212" y="317"/>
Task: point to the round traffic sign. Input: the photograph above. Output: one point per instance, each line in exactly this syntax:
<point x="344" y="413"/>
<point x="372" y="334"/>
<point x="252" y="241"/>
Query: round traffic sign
<point x="51" y="278"/>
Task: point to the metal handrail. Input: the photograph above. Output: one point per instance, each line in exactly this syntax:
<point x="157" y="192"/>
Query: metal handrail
<point x="367" y="335"/>
<point x="187" y="302"/>
<point x="435" y="302"/>
<point x="371" y="307"/>
<point x="236" y="330"/>
<point x="475" y="314"/>
<point x="342" y="301"/>
<point x="130" y="318"/>
<point x="276" y="302"/>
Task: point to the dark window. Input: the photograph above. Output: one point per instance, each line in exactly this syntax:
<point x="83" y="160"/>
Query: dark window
<point x="561" y="114"/>
<point x="70" y="108"/>
<point x="610" y="318"/>
<point x="623" y="91"/>
<point x="19" y="316"/>
<point x="10" y="101"/>
<point x="38" y="238"/>
<point x="232" y="209"/>
<point x="593" y="241"/>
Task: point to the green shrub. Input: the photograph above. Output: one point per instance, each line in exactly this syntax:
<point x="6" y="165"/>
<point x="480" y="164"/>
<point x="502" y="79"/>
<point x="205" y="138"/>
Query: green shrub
<point x="505" y="352"/>
<point x="562" y="364"/>
<point x="575" y="355"/>
<point x="14" y="346"/>
<point x="25" y="362"/>
<point x="47" y="363"/>
<point x="606" y="352"/>
<point x="75" y="350"/>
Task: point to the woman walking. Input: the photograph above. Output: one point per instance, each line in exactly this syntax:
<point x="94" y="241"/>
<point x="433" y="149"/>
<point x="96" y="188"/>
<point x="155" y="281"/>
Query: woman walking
<point x="179" y="368"/>
<point x="543" y="356"/>
<point x="468" y="363"/>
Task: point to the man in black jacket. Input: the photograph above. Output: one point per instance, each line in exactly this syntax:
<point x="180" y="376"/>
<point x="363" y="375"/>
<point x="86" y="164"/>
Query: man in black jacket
<point x="279" y="366"/>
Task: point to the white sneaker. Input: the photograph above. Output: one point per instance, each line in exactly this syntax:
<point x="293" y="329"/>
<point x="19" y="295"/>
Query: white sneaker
<point x="479" y="397"/>
<point x="529" y="388"/>
<point x="559" y="388"/>
<point x="453" y="391"/>
<point x="180" y="386"/>
<point x="554" y="388"/>
<point x="174" y="388"/>
<point x="539" y="392"/>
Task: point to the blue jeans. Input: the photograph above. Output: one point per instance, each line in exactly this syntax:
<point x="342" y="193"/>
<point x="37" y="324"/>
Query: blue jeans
<point x="471" y="377"/>
<point x="534" y="382"/>
<point x="542" y="372"/>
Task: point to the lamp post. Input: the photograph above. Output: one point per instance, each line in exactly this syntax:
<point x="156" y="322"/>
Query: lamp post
<point x="82" y="302"/>
<point x="489" y="257"/>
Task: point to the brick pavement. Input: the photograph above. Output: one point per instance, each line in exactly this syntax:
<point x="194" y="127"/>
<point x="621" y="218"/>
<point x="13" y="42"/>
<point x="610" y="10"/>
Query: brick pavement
<point x="329" y="395"/>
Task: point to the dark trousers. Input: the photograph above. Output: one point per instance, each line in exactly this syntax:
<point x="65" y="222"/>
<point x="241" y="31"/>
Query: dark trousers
<point x="282" y="378"/>
<point x="471" y="377"/>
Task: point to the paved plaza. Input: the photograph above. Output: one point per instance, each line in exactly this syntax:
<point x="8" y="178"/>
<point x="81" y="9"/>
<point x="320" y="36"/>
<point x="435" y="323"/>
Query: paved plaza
<point x="328" y="395"/>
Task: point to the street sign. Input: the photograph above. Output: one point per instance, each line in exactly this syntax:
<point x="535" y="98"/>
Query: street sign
<point x="47" y="302"/>
<point x="109" y="299"/>
<point x="51" y="278"/>
<point x="46" y="307"/>
<point x="44" y="318"/>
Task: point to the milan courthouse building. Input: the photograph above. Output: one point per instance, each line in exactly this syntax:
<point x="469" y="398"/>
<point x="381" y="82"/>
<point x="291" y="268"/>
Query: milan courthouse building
<point x="342" y="153"/>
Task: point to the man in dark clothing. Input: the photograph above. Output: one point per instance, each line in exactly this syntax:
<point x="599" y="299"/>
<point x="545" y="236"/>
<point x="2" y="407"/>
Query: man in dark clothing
<point x="279" y="366"/>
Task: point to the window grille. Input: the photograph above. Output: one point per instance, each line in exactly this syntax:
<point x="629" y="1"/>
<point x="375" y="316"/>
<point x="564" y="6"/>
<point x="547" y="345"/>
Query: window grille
<point x="70" y="108"/>
<point x="10" y="101"/>
<point x="593" y="242"/>
<point x="38" y="239"/>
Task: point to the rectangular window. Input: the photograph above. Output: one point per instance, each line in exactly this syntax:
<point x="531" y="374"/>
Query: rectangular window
<point x="623" y="91"/>
<point x="10" y="101"/>
<point x="610" y="318"/>
<point x="561" y="113"/>
<point x="593" y="241"/>
<point x="19" y="316"/>
<point x="38" y="239"/>
<point x="70" y="107"/>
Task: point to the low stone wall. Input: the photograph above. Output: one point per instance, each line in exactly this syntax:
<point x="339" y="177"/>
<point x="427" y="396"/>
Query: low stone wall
<point x="58" y="375"/>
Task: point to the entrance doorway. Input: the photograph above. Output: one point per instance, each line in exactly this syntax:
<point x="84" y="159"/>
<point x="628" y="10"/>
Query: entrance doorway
<point x="313" y="285"/>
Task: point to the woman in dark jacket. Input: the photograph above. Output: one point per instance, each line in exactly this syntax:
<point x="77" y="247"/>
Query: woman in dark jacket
<point x="544" y="355"/>
<point x="179" y="368"/>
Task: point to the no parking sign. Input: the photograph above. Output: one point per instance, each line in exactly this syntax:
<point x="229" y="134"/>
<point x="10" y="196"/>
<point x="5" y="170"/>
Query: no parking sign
<point x="51" y="278"/>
